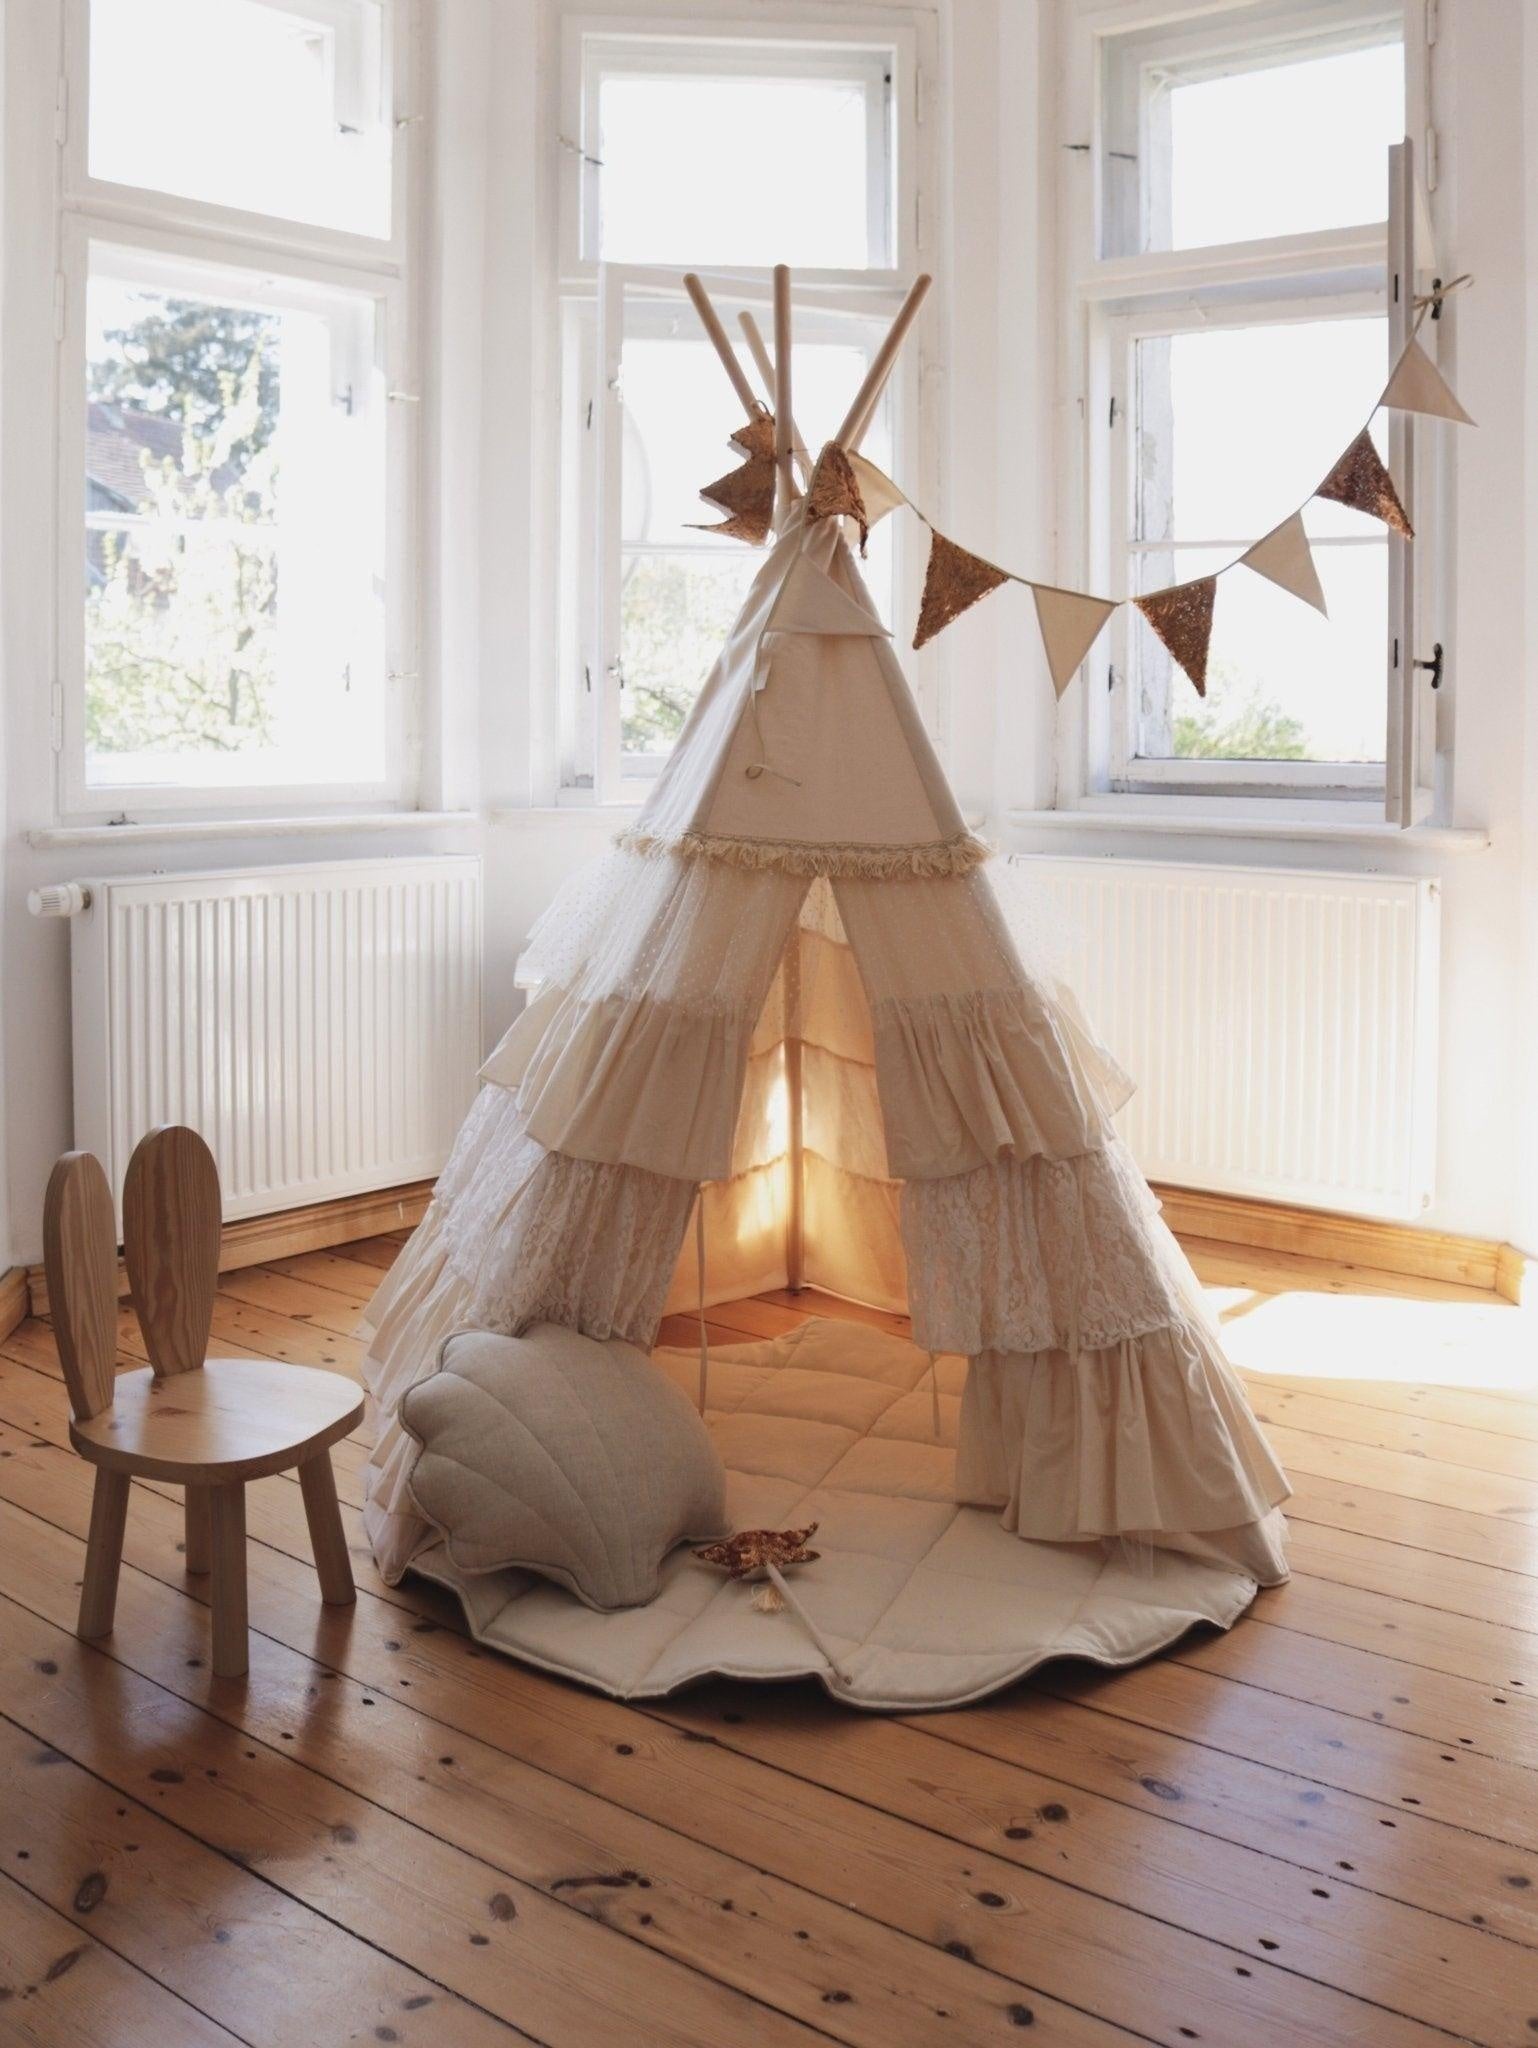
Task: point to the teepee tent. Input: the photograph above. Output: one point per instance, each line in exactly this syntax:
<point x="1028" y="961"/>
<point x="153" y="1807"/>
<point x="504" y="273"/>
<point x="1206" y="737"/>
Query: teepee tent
<point x="788" y="1007"/>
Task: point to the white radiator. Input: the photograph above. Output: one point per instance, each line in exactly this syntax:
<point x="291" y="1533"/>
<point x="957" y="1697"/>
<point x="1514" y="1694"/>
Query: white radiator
<point x="320" y="1026"/>
<point x="1281" y="1027"/>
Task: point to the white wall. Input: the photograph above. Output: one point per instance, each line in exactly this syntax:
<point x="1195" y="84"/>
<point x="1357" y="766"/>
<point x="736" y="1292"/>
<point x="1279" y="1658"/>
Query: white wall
<point x="488" y="531"/>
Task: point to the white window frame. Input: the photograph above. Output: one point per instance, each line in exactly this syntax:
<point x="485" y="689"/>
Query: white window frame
<point x="297" y="262"/>
<point x="1147" y="774"/>
<point x="1110" y="298"/>
<point x="591" y="767"/>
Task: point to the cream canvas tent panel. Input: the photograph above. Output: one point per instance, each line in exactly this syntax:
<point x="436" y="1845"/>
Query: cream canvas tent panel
<point x="791" y="994"/>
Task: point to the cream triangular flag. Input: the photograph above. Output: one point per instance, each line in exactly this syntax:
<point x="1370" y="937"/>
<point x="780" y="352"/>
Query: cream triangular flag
<point x="1070" y="623"/>
<point x="1417" y="385"/>
<point x="809" y="601"/>
<point x="1285" y="557"/>
<point x="877" y="489"/>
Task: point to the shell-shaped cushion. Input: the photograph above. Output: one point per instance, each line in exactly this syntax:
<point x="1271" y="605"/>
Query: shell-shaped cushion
<point x="571" y="1458"/>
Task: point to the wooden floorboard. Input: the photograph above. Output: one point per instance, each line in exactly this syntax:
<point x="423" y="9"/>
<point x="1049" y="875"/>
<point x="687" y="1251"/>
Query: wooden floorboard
<point x="1319" y="1828"/>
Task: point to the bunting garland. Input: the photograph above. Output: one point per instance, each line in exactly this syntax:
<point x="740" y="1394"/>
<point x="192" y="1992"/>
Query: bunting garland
<point x="845" y="484"/>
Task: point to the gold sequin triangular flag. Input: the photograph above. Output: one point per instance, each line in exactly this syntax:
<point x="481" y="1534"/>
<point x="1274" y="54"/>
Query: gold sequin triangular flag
<point x="1417" y="385"/>
<point x="1360" y="480"/>
<point x="953" y="581"/>
<point x="1070" y="622"/>
<point x="1182" y="618"/>
<point x="747" y="492"/>
<point x="1284" y="556"/>
<point x="834" y="492"/>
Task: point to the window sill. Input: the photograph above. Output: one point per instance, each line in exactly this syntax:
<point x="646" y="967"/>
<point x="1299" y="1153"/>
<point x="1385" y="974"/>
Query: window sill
<point x="1210" y="825"/>
<point x="520" y="817"/>
<point x="172" y="829"/>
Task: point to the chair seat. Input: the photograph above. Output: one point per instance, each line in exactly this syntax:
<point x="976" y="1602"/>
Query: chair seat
<point x="234" y="1419"/>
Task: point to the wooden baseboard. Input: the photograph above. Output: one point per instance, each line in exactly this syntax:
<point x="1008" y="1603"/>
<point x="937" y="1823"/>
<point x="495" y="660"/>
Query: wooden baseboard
<point x="1190" y="1212"/>
<point x="1349" y="1240"/>
<point x="255" y="1239"/>
<point x="15" y="1299"/>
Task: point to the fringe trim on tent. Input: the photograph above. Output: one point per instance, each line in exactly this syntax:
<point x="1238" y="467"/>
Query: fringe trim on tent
<point x="956" y="856"/>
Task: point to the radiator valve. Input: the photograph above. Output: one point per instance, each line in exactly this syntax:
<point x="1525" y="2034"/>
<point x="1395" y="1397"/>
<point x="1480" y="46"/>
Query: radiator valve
<point x="59" y="899"/>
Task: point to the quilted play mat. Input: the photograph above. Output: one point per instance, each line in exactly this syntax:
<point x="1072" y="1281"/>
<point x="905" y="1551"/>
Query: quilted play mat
<point x="912" y="1602"/>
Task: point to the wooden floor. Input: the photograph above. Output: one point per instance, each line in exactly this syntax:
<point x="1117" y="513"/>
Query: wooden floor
<point x="1321" y="1828"/>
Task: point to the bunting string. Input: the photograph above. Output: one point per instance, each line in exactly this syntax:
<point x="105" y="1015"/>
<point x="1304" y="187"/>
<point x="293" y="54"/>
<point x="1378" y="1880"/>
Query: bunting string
<point x="845" y="484"/>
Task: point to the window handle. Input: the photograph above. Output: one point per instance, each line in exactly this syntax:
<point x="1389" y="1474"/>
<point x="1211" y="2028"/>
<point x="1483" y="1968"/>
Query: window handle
<point x="1435" y="664"/>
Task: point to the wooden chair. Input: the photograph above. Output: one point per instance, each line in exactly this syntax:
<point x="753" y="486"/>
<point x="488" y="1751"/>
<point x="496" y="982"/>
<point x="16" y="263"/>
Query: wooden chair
<point x="206" y="1424"/>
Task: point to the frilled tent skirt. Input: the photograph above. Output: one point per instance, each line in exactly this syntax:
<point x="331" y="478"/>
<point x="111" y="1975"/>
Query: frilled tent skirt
<point x="955" y="1156"/>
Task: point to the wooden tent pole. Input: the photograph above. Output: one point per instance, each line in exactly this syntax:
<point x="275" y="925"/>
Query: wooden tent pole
<point x="786" y="492"/>
<point x="710" y="321"/>
<point x="795" y="1145"/>
<point x="868" y="397"/>
<point x="765" y="368"/>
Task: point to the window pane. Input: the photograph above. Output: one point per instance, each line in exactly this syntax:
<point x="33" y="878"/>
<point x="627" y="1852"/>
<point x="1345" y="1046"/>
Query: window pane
<point x="234" y="540"/>
<point x="239" y="103"/>
<point x="1235" y="425"/>
<point x="705" y="167"/>
<point x="1283" y="149"/>
<point x="675" y="612"/>
<point x="1283" y="683"/>
<point x="1205" y="142"/>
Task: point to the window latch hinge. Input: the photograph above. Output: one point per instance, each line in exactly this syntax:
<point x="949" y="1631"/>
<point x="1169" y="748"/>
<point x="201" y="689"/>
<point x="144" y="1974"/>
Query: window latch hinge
<point x="1111" y="411"/>
<point x="1434" y="665"/>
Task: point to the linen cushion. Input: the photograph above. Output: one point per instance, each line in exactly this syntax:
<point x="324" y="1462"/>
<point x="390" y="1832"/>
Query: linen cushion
<point x="573" y="1459"/>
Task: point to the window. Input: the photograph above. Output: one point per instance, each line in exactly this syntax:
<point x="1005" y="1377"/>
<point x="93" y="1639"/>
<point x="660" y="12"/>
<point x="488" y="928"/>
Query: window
<point x="667" y="115"/>
<point x="236" y="425"/>
<point x="1247" y="282"/>
<point x="1228" y="426"/>
<point x="1268" y="121"/>
<point x="647" y="594"/>
<point x="273" y="106"/>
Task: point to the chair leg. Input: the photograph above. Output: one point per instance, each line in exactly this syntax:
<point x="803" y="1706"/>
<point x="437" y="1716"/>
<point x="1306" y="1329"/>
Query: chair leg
<point x="228" y="1530"/>
<point x="195" y="1510"/>
<point x="103" y="1554"/>
<point x="328" y="1540"/>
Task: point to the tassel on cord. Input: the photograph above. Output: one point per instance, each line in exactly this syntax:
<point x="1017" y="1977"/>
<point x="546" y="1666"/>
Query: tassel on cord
<point x="699" y="1265"/>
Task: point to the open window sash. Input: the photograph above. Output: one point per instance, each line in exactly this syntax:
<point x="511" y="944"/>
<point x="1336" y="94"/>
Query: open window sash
<point x="833" y="311"/>
<point x="1410" y="753"/>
